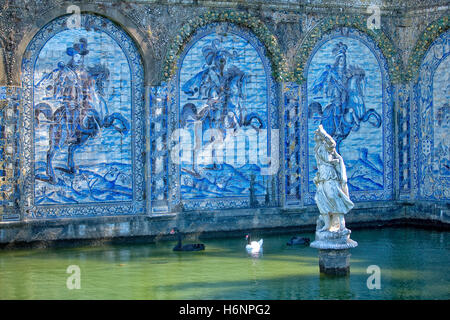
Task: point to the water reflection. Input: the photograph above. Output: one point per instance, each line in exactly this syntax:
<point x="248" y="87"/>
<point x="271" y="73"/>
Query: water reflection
<point x="256" y="255"/>
<point x="334" y="287"/>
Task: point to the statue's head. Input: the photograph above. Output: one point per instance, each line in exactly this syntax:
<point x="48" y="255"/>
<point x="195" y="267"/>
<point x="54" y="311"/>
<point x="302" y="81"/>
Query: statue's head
<point x="317" y="136"/>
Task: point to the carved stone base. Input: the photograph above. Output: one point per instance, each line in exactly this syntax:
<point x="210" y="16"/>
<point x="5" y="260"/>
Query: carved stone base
<point x="334" y="262"/>
<point x="334" y="240"/>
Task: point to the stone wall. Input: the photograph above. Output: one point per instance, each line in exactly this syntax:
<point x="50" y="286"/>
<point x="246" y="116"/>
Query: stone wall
<point x="212" y="224"/>
<point x="91" y="106"/>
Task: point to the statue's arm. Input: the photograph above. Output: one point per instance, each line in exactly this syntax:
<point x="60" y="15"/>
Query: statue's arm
<point x="324" y="156"/>
<point x="341" y="168"/>
<point x="332" y="159"/>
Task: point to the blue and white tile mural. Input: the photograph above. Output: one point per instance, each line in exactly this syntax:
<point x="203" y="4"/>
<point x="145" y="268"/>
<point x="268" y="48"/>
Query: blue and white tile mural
<point x="223" y="87"/>
<point x="85" y="85"/>
<point x="347" y="92"/>
<point x="225" y="104"/>
<point x="431" y="125"/>
<point x="82" y="103"/>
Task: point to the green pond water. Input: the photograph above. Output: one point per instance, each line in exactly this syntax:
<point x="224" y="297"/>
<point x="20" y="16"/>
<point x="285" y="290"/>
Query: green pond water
<point x="414" y="264"/>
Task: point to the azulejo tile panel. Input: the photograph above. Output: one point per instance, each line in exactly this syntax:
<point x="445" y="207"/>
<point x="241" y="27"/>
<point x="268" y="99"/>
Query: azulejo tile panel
<point x="431" y="127"/>
<point x="223" y="102"/>
<point x="348" y="91"/>
<point x="82" y="138"/>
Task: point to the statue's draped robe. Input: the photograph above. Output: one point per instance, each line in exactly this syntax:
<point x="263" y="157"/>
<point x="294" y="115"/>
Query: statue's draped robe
<point x="331" y="182"/>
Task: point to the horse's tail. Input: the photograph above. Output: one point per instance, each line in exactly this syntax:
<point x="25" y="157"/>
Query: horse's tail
<point x="251" y="116"/>
<point x="109" y="121"/>
<point x="314" y="107"/>
<point x="372" y="112"/>
<point x="45" y="109"/>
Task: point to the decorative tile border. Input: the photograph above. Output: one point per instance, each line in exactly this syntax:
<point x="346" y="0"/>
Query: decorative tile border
<point x="292" y="134"/>
<point x="403" y="140"/>
<point x="9" y="150"/>
<point x="137" y="205"/>
<point x="158" y="154"/>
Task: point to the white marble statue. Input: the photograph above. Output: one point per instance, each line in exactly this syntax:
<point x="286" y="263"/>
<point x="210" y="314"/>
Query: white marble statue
<point x="332" y="196"/>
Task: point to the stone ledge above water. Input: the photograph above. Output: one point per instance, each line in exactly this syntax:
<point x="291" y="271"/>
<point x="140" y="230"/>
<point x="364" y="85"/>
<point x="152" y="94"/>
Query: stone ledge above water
<point x="213" y="223"/>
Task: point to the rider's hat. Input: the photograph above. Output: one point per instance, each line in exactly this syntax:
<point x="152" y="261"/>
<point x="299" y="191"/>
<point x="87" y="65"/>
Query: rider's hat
<point x="340" y="48"/>
<point x="78" y="48"/>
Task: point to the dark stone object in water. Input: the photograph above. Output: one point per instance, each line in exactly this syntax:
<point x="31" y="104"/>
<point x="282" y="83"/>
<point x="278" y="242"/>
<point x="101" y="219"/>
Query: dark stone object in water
<point x="298" y="240"/>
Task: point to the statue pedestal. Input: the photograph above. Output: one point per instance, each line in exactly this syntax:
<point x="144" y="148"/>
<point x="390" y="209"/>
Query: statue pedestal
<point x="334" y="255"/>
<point x="334" y="262"/>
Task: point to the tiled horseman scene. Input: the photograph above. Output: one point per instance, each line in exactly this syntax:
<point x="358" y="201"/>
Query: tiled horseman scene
<point x="82" y="105"/>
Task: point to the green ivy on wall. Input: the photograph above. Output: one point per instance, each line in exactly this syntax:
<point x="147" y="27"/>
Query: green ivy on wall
<point x="432" y="31"/>
<point x="356" y="22"/>
<point x="397" y="72"/>
<point x="243" y="19"/>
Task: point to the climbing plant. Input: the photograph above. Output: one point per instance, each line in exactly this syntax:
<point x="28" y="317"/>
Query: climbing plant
<point x="360" y="23"/>
<point x="432" y="31"/>
<point x="243" y="19"/>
